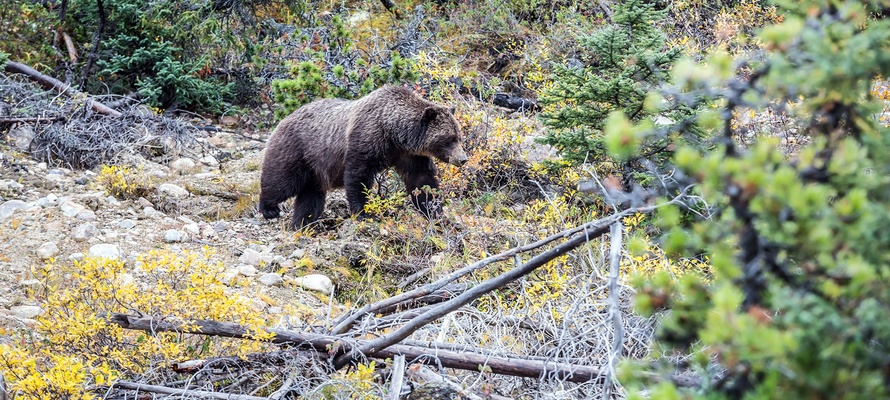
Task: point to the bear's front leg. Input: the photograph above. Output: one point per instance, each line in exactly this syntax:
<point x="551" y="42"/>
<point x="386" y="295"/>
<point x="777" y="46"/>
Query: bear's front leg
<point x="419" y="172"/>
<point x="358" y="179"/>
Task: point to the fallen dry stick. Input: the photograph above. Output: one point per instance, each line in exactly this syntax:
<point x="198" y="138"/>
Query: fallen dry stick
<point x="53" y="83"/>
<point x="197" y="394"/>
<point x="328" y="343"/>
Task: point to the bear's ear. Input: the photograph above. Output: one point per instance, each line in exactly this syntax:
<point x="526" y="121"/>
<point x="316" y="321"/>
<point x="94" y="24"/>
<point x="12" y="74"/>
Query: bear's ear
<point x="452" y="109"/>
<point x="429" y="114"/>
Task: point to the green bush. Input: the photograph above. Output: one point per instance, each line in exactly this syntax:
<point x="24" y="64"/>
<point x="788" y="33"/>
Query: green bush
<point x="799" y="307"/>
<point x="336" y="69"/>
<point x="626" y="61"/>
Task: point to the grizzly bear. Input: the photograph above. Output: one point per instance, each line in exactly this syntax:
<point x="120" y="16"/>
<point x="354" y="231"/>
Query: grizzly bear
<point x="333" y="143"/>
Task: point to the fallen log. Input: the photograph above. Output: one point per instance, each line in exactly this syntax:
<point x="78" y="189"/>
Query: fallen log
<point x="14" y="120"/>
<point x="334" y="344"/>
<point x="197" y="394"/>
<point x="515" y="103"/>
<point x="55" y="84"/>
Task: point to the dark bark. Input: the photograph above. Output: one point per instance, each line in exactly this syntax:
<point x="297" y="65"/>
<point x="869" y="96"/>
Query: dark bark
<point x="97" y="40"/>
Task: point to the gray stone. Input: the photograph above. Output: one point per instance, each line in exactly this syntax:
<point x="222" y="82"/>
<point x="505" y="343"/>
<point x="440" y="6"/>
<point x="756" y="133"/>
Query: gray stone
<point x="47" y="250"/>
<point x="86" y="215"/>
<point x="229" y="277"/>
<point x="76" y="257"/>
<point x="183" y="164"/>
<point x="210" y="160"/>
<point x="247" y="270"/>
<point x="20" y="137"/>
<point x="27" y="312"/>
<point x="251" y="257"/>
<point x="71" y="209"/>
<point x="106" y="250"/>
<point x="175" y="236"/>
<point x="9" y="207"/>
<point x="271" y="279"/>
<point x="298" y="253"/>
<point x="47" y="201"/>
<point x="192" y="228"/>
<point x="84" y="232"/>
<point x="10" y="185"/>
<point x="316" y="282"/>
<point x="172" y="190"/>
<point x="127" y="224"/>
<point x="221" y="226"/>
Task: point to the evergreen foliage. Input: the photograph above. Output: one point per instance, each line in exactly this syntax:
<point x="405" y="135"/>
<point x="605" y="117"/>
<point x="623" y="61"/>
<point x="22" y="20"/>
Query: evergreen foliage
<point x="331" y="66"/>
<point x="800" y="304"/>
<point x="627" y="60"/>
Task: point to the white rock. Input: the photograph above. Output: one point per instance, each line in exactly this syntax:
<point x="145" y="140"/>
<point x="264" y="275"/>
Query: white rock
<point x="258" y="305"/>
<point x="41" y="166"/>
<point x="229" y="277"/>
<point x="143" y="202"/>
<point x="183" y="164"/>
<point x="76" y="257"/>
<point x="70" y="208"/>
<point x="47" y="250"/>
<point x="48" y="201"/>
<point x="111" y="201"/>
<point x="151" y="212"/>
<point x="271" y="279"/>
<point x="175" y="236"/>
<point x="86" y="215"/>
<point x="298" y="253"/>
<point x="316" y="282"/>
<point x="278" y="260"/>
<point x="127" y="224"/>
<point x="30" y="282"/>
<point x="84" y="232"/>
<point x="251" y="257"/>
<point x="274" y="310"/>
<point x="172" y="190"/>
<point x="210" y="160"/>
<point x="247" y="270"/>
<point x="194" y="229"/>
<point x="106" y="250"/>
<point x="10" y="185"/>
<point x="26" y="312"/>
<point x="7" y="208"/>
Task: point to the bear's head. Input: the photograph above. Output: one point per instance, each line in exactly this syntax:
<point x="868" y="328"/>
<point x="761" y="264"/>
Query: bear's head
<point x="442" y="137"/>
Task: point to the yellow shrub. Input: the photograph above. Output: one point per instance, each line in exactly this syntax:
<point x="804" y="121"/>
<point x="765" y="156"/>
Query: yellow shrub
<point x="124" y="182"/>
<point x="73" y="347"/>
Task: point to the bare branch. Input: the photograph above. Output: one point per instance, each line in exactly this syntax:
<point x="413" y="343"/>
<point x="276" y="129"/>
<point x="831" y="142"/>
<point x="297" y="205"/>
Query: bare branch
<point x="53" y="83"/>
<point x="201" y="394"/>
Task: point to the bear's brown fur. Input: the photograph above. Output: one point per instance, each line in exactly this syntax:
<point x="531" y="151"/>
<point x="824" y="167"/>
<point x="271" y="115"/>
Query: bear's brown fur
<point x="332" y="143"/>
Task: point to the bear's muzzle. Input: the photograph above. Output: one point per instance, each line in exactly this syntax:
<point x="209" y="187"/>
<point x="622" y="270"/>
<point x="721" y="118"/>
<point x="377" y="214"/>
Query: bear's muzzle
<point x="458" y="157"/>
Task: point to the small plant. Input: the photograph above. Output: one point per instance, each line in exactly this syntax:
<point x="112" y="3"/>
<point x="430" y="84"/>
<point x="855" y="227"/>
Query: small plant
<point x="124" y="182"/>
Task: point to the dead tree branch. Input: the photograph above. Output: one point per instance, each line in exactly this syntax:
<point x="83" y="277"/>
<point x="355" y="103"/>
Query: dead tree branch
<point x="55" y="84"/>
<point x="198" y="394"/>
<point x="328" y="343"/>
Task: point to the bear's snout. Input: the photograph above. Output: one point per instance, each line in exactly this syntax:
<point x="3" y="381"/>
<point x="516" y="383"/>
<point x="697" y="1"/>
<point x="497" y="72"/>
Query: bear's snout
<point x="458" y="157"/>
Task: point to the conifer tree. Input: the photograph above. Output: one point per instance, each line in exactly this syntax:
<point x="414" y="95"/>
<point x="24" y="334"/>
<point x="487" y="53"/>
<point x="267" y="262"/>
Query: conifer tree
<point x="798" y="306"/>
<point x="625" y="61"/>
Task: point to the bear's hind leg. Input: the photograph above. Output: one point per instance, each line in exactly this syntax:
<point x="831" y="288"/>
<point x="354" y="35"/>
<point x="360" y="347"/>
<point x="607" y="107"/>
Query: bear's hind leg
<point x="308" y="206"/>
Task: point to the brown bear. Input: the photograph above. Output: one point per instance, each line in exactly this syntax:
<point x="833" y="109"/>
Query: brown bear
<point x="332" y="143"/>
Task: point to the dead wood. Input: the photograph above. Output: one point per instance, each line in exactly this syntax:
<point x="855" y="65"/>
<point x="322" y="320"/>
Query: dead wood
<point x="203" y="191"/>
<point x="515" y="102"/>
<point x="69" y="45"/>
<point x="13" y="120"/>
<point x="439" y="311"/>
<point x="59" y="86"/>
<point x="334" y="344"/>
<point x="198" y="394"/>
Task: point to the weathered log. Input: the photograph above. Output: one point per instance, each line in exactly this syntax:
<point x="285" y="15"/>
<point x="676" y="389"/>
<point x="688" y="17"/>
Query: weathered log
<point x="327" y="343"/>
<point x="514" y="102"/>
<point x="197" y="394"/>
<point x="55" y="84"/>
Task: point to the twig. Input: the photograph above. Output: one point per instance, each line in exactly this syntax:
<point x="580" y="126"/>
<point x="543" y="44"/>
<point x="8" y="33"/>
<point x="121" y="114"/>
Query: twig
<point x="285" y="387"/>
<point x="202" y="394"/>
<point x="398" y="375"/>
<point x="614" y="307"/>
<point x="31" y="119"/>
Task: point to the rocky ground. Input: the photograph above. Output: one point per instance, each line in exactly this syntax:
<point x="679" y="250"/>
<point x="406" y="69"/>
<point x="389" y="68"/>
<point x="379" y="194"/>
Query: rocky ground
<point x="57" y="213"/>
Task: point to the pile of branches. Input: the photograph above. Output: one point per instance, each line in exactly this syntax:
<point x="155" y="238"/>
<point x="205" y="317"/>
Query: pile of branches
<point x="68" y="128"/>
<point x="428" y="344"/>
